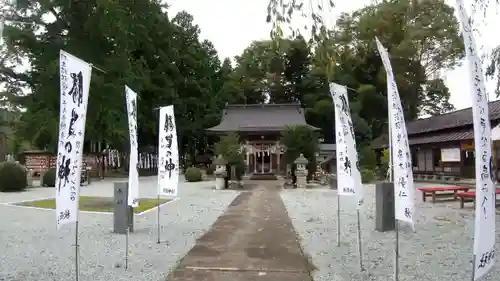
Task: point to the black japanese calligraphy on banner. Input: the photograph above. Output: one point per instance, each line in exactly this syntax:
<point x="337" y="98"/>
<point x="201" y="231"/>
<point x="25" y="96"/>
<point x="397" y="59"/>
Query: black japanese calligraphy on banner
<point x="168" y="170"/>
<point x="169" y="128"/>
<point x="65" y="166"/>
<point x="76" y="91"/>
<point x="133" y="175"/>
<point x="485" y="221"/>
<point x="400" y="151"/>
<point x="486" y="258"/>
<point x="74" y="83"/>
<point x="348" y="175"/>
<point x="169" y="123"/>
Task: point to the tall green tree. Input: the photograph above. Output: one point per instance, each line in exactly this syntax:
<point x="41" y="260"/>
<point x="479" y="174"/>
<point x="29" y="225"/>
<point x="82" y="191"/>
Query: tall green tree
<point x="136" y="44"/>
<point x="421" y="42"/>
<point x="436" y="99"/>
<point x="301" y="140"/>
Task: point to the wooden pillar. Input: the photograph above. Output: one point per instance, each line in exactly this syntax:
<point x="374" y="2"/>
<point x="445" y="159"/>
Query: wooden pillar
<point x="247" y="159"/>
<point x="278" y="155"/>
<point x="254" y="162"/>
<point x="262" y="162"/>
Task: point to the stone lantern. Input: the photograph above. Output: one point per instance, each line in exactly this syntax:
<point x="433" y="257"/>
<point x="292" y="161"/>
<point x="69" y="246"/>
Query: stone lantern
<point x="220" y="172"/>
<point x="301" y="172"/>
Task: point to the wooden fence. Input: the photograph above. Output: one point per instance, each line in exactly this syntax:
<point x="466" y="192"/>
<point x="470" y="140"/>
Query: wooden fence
<point x="107" y="164"/>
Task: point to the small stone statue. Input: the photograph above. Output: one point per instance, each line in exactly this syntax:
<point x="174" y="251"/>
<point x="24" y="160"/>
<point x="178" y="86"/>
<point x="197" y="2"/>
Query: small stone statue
<point x="301" y="172"/>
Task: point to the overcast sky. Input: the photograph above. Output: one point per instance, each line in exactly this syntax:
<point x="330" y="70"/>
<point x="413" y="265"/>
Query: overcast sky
<point x="232" y="25"/>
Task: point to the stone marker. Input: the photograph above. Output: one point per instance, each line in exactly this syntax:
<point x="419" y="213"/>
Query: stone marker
<point x="384" y="206"/>
<point x="301" y="171"/>
<point x="123" y="215"/>
<point x="333" y="181"/>
<point x="220" y="172"/>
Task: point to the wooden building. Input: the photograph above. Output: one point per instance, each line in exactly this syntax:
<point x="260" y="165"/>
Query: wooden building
<point x="260" y="127"/>
<point x="444" y="144"/>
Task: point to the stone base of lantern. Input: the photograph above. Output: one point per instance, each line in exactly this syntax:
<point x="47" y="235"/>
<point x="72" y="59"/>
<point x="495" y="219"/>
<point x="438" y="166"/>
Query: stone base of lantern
<point x="301" y="179"/>
<point x="219" y="183"/>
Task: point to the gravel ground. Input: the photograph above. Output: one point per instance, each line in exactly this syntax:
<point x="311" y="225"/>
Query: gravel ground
<point x="31" y="248"/>
<point x="441" y="248"/>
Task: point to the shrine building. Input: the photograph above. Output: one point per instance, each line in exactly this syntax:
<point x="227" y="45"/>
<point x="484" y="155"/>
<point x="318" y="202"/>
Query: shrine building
<point x="444" y="144"/>
<point x="259" y="127"/>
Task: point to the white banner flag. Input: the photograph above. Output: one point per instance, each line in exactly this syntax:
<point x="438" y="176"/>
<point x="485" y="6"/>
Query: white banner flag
<point x="168" y="168"/>
<point x="404" y="189"/>
<point x="348" y="175"/>
<point x="75" y="82"/>
<point x="133" y="173"/>
<point x="484" y="228"/>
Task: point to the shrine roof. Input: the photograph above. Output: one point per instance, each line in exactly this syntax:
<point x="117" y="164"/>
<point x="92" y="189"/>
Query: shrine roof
<point x="260" y="117"/>
<point x="451" y="126"/>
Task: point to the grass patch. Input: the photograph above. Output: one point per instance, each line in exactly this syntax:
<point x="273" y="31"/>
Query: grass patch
<point x="95" y="204"/>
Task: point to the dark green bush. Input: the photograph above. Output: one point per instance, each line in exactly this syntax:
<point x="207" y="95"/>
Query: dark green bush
<point x="367" y="175"/>
<point x="193" y="174"/>
<point x="12" y="177"/>
<point x="49" y="178"/>
<point x="368" y="158"/>
<point x="239" y="169"/>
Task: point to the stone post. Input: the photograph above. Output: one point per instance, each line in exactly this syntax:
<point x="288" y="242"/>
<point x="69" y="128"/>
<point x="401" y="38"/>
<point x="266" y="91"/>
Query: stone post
<point x="384" y="207"/>
<point x="123" y="215"/>
<point x="301" y="171"/>
<point x="220" y="172"/>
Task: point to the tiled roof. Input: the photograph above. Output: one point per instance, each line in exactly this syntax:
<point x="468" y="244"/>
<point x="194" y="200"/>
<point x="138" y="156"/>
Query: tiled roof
<point x="443" y="137"/>
<point x="436" y="137"/>
<point x="453" y="126"/>
<point x="450" y="120"/>
<point x="260" y="117"/>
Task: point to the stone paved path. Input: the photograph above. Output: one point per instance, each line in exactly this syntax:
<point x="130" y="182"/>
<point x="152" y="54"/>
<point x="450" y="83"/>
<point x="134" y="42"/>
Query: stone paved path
<point x="253" y="240"/>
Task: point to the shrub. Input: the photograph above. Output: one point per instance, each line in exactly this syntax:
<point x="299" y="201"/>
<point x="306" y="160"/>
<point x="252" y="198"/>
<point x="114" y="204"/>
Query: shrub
<point x="384" y="162"/>
<point x="367" y="175"/>
<point x="368" y="158"/>
<point x="12" y="177"/>
<point x="193" y="174"/>
<point x="49" y="178"/>
<point x="239" y="169"/>
<point x="210" y="169"/>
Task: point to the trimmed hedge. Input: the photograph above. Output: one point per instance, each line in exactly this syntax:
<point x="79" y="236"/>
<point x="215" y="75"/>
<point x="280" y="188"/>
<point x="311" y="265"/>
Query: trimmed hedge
<point x="12" y="177"/>
<point x="49" y="178"/>
<point x="367" y="175"/>
<point x="193" y="174"/>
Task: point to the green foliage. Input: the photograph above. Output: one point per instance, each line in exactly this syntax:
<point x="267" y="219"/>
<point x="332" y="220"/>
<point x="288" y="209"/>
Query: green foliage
<point x="239" y="169"/>
<point x="161" y="57"/>
<point x="384" y="161"/>
<point x="367" y="158"/>
<point x="229" y="147"/>
<point x="49" y="178"/>
<point x="136" y="43"/>
<point x="436" y="101"/>
<point x="367" y="175"/>
<point x="193" y="174"/>
<point x="423" y="38"/>
<point x="12" y="177"/>
<point x="300" y="140"/>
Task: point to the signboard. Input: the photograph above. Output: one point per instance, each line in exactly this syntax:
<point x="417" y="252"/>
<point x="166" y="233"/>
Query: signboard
<point x="450" y="154"/>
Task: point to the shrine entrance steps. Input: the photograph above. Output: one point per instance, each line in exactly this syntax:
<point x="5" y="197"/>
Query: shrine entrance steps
<point x="264" y="176"/>
<point x="253" y="240"/>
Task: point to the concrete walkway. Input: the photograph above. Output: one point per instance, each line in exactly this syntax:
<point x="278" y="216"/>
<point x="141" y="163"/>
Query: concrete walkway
<point x="253" y="240"/>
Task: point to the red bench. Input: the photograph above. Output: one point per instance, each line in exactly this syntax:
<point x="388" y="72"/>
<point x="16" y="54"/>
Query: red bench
<point x="470" y="197"/>
<point x="443" y="191"/>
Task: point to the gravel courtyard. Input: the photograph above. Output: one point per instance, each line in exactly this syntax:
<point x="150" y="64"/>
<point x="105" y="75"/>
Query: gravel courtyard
<point x="32" y="249"/>
<point x="441" y="248"/>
